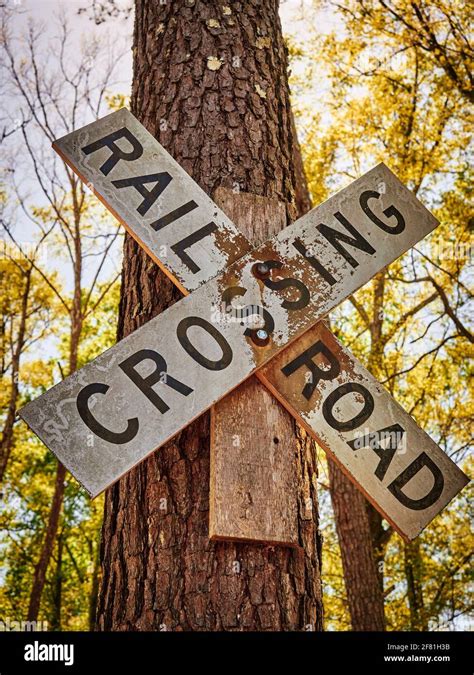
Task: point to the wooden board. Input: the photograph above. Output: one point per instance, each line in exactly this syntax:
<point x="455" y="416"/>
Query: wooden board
<point x="201" y="353"/>
<point x="399" y="468"/>
<point x="252" y="483"/>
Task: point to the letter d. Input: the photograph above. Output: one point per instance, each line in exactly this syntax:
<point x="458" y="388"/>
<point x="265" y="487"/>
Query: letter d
<point x="412" y="469"/>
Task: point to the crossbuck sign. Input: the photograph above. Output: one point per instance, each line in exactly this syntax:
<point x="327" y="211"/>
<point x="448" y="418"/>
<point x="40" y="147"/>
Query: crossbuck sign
<point x="105" y="418"/>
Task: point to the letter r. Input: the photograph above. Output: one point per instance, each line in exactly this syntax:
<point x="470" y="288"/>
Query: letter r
<point x="306" y="359"/>
<point x="117" y="154"/>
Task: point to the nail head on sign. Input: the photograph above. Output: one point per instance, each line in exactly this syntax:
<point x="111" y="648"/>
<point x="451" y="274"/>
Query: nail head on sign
<point x="260" y="337"/>
<point x="261" y="270"/>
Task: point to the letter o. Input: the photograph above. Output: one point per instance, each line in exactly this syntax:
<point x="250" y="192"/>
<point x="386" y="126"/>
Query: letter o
<point x="337" y="394"/>
<point x="182" y="333"/>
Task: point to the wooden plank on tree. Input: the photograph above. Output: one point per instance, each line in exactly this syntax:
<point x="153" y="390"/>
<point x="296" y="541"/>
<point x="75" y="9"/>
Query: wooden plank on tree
<point x="107" y="417"/>
<point x="253" y="470"/>
<point x="398" y="467"/>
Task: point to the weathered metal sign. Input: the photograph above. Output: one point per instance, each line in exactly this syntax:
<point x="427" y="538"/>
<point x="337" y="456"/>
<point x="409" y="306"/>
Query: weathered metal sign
<point x="107" y="417"/>
<point x="159" y="204"/>
<point x="398" y="466"/>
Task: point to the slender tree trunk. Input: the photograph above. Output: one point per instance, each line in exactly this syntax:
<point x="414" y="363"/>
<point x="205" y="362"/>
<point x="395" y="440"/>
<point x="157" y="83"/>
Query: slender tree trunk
<point x="362" y="537"/>
<point x="58" y="587"/>
<point x="414" y="575"/>
<point x="361" y="578"/>
<point x="60" y="482"/>
<point x="7" y="432"/>
<point x="380" y="536"/>
<point x="210" y="83"/>
<point x="41" y="566"/>
<point x="94" y="592"/>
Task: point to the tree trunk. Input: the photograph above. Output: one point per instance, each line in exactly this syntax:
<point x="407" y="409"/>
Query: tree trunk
<point x="379" y="538"/>
<point x="362" y="537"/>
<point x="7" y="432"/>
<point x="58" y="497"/>
<point x="414" y="575"/>
<point x="58" y="587"/>
<point x="94" y="592"/>
<point x="41" y="566"/>
<point x="361" y="578"/>
<point x="379" y="535"/>
<point x="210" y="83"/>
<point x="76" y="325"/>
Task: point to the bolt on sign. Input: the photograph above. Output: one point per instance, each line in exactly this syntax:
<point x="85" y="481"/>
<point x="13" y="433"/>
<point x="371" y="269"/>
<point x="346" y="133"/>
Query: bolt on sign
<point x="107" y="417"/>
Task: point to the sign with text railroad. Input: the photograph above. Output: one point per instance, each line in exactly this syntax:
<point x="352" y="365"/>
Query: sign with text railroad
<point x="159" y="204"/>
<point x="108" y="416"/>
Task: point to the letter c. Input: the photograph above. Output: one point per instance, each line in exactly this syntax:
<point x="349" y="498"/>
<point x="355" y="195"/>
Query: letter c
<point x="117" y="437"/>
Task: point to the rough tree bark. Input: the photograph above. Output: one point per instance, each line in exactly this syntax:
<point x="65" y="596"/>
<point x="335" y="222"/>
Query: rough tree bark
<point x="361" y="578"/>
<point x="210" y="83"/>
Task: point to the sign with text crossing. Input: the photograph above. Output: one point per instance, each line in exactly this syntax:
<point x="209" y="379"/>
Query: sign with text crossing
<point x="105" y="418"/>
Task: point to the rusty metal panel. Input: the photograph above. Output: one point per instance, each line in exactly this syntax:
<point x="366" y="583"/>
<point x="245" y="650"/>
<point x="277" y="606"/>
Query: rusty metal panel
<point x="399" y="468"/>
<point x="315" y="263"/>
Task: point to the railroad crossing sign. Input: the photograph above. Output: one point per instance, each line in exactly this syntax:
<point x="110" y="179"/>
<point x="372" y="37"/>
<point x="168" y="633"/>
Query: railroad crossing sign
<point x="248" y="311"/>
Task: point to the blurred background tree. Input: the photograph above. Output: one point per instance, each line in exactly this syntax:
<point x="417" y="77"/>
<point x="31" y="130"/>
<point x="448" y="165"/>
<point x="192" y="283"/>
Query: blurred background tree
<point x="50" y="214"/>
